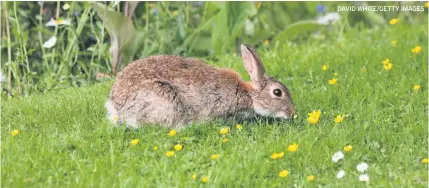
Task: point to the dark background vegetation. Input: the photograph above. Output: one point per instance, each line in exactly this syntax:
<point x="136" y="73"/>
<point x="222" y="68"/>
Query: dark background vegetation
<point x="102" y="35"/>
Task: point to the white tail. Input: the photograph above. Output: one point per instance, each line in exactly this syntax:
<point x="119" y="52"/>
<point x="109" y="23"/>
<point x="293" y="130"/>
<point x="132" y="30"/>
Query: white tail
<point x="112" y="113"/>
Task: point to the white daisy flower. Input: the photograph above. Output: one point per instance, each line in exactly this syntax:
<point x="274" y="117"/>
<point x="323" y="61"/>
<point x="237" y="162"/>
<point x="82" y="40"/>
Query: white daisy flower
<point x="2" y="77"/>
<point x="50" y="43"/>
<point x="66" y="6"/>
<point x="249" y="28"/>
<point x="337" y="156"/>
<point x="362" y="167"/>
<point x="341" y="174"/>
<point x="364" y="177"/>
<point x="115" y="3"/>
<point x="329" y="18"/>
<point x="53" y="22"/>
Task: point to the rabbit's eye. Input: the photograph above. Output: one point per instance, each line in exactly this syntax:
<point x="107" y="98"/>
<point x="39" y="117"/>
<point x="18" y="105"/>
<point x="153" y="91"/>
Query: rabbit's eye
<point x="278" y="92"/>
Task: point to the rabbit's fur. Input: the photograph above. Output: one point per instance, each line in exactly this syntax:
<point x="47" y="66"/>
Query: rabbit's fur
<point x="174" y="91"/>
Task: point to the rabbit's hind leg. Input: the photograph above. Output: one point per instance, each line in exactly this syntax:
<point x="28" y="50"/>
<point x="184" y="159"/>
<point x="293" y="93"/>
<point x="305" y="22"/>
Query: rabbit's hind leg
<point x="161" y="106"/>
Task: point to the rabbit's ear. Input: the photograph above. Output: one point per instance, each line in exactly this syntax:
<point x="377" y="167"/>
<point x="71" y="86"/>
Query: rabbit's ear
<point x="253" y="65"/>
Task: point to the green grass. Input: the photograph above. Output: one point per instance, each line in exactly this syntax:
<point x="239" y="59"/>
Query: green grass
<point x="66" y="141"/>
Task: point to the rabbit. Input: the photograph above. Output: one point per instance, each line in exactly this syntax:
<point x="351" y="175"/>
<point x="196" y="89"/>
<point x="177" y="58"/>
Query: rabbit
<point x="174" y="91"/>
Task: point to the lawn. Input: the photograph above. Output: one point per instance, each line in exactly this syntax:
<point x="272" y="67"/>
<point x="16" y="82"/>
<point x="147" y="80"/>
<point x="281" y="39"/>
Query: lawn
<point x="66" y="141"/>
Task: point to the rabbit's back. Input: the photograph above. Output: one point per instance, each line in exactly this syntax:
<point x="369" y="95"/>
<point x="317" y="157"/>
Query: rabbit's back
<point x="184" y="89"/>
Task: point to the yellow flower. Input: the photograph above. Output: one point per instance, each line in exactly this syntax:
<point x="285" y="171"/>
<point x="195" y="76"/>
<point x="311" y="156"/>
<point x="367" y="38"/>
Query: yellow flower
<point x="332" y="81"/>
<point x="293" y="147"/>
<point x="426" y="5"/>
<point x="425" y="161"/>
<point x="238" y="126"/>
<point x="178" y="147"/>
<point x="416" y="50"/>
<point x="266" y="43"/>
<point x="277" y="155"/>
<point x="225" y="140"/>
<point x="274" y="156"/>
<point x="283" y="173"/>
<point x="348" y="148"/>
<point x="53" y="22"/>
<point x="416" y="87"/>
<point x="169" y="153"/>
<point x="14" y="133"/>
<point x="314" y="117"/>
<point x="324" y="67"/>
<point x="224" y="131"/>
<point x="258" y="5"/>
<point x="172" y="133"/>
<point x="175" y="12"/>
<point x="394" y="42"/>
<point x="155" y="148"/>
<point x="363" y="69"/>
<point x="388" y="66"/>
<point x="194" y="176"/>
<point x="339" y="119"/>
<point x="386" y="61"/>
<point x="62" y="22"/>
<point x="204" y="179"/>
<point x="135" y="142"/>
<point x="215" y="156"/>
<point x="310" y="178"/>
<point x="115" y="118"/>
<point x="393" y="21"/>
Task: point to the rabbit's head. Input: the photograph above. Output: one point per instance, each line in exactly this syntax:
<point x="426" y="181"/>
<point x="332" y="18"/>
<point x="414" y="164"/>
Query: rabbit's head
<point x="269" y="96"/>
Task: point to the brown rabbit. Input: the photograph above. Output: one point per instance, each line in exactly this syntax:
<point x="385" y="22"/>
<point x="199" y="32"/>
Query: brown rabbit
<point x="174" y="91"/>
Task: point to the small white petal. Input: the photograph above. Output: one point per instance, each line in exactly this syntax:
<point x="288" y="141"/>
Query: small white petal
<point x="249" y="27"/>
<point x="2" y="78"/>
<point x="364" y="177"/>
<point x="50" y="43"/>
<point x="329" y="18"/>
<point x="116" y="3"/>
<point x="66" y="6"/>
<point x="341" y="174"/>
<point x="362" y="167"/>
<point x="51" y="23"/>
<point x="337" y="156"/>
